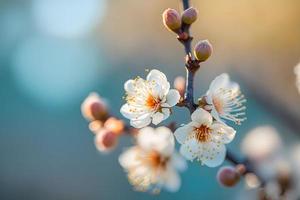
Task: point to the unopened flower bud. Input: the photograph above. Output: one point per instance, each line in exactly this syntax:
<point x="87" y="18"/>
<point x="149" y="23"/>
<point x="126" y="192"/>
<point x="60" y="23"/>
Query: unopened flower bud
<point x="95" y="126"/>
<point x="228" y="176"/>
<point x="93" y="108"/>
<point x="106" y="140"/>
<point x="203" y="50"/>
<point x="115" y="125"/>
<point x="189" y="16"/>
<point x="172" y="19"/>
<point x="179" y="84"/>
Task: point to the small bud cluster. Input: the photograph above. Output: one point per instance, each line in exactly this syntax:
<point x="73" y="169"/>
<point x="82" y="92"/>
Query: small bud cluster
<point x="106" y="129"/>
<point x="180" y="25"/>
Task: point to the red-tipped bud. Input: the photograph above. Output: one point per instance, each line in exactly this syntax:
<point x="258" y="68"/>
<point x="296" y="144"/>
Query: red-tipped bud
<point x="189" y="16"/>
<point x="172" y="19"/>
<point x="179" y="84"/>
<point x="115" y="125"/>
<point x="106" y="140"/>
<point x="228" y="176"/>
<point x="93" y="108"/>
<point x="203" y="50"/>
<point x="241" y="169"/>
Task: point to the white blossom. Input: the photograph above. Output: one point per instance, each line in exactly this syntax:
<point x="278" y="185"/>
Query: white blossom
<point x="203" y="139"/>
<point x="225" y="100"/>
<point x="153" y="164"/>
<point x="149" y="100"/>
<point x="261" y="143"/>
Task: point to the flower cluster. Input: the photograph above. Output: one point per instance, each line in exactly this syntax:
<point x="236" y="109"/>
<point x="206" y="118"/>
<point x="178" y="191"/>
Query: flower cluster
<point x="153" y="163"/>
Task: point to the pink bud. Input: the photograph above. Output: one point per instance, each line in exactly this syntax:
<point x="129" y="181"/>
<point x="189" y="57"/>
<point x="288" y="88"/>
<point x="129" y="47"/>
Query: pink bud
<point x="115" y="125"/>
<point x="179" y="84"/>
<point x="203" y="50"/>
<point x="106" y="140"/>
<point x="189" y="16"/>
<point x="171" y="19"/>
<point x="93" y="107"/>
<point x="228" y="176"/>
<point x="95" y="126"/>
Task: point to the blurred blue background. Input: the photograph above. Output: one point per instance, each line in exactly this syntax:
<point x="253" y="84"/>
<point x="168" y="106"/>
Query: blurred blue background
<point x="53" y="53"/>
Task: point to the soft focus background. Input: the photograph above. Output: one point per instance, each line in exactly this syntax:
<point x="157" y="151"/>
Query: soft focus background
<point x="53" y="53"/>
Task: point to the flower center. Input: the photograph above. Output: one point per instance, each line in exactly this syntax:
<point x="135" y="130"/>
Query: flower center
<point x="202" y="133"/>
<point x="155" y="160"/>
<point x="152" y="102"/>
<point x="218" y="103"/>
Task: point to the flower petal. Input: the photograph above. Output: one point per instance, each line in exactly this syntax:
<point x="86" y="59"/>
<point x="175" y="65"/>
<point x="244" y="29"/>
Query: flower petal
<point x="181" y="133"/>
<point x="156" y="77"/>
<point x="172" y="180"/>
<point x="189" y="149"/>
<point x="129" y="86"/>
<point x="220" y="81"/>
<point x="212" y="154"/>
<point x="157" y="118"/>
<point x="201" y="116"/>
<point x="173" y="97"/>
<point x="178" y="162"/>
<point x="140" y="122"/>
<point x="128" y="158"/>
<point x="222" y="133"/>
<point x="166" y="112"/>
<point x="160" y="140"/>
<point x="126" y="111"/>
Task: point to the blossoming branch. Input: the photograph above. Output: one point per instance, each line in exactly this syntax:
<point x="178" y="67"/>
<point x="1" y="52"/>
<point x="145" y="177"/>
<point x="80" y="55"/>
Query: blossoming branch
<point x="153" y="163"/>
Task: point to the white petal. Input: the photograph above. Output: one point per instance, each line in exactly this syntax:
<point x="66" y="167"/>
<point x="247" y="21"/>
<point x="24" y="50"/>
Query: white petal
<point x="172" y="181"/>
<point x="202" y="116"/>
<point x="140" y="122"/>
<point x="160" y="139"/>
<point x="181" y="133"/>
<point x="160" y="79"/>
<point x="126" y="112"/>
<point x="220" y="81"/>
<point x="213" y="155"/>
<point x="129" y="86"/>
<point x="157" y="118"/>
<point x="165" y="143"/>
<point x="189" y="149"/>
<point x="216" y="115"/>
<point x="178" y="162"/>
<point x="173" y="97"/>
<point x="128" y="158"/>
<point x="222" y="133"/>
<point x="156" y="75"/>
<point x="166" y="112"/>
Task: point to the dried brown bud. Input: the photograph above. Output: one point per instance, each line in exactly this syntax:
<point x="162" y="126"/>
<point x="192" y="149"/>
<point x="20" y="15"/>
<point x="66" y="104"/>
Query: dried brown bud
<point x="94" y="108"/>
<point x="189" y="16"/>
<point x="106" y="140"/>
<point x="179" y="84"/>
<point x="172" y="19"/>
<point x="228" y="176"/>
<point x="115" y="125"/>
<point x="203" y="50"/>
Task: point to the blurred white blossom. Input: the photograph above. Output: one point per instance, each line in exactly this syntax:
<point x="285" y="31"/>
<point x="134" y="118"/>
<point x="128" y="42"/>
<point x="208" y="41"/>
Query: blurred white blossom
<point x="297" y="72"/>
<point x="153" y="163"/>
<point x="149" y="100"/>
<point x="204" y="139"/>
<point x="261" y="142"/>
<point x="225" y="100"/>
